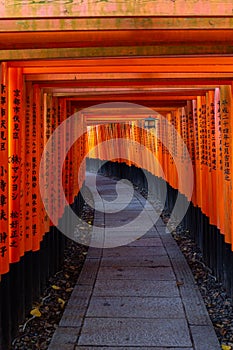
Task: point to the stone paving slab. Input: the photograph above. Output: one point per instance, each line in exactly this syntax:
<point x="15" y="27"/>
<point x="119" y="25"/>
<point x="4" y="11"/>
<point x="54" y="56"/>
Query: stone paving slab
<point x="147" y="242"/>
<point x="124" y="198"/>
<point x="160" y="224"/>
<point x="64" y="338"/>
<point x="196" y="311"/>
<point x="73" y="316"/>
<point x="150" y="233"/>
<point x="95" y="253"/>
<point x="81" y="291"/>
<point x="135" y="332"/>
<point x="155" y="216"/>
<point x="131" y="231"/>
<point x="160" y="260"/>
<point x="128" y="219"/>
<point x="134" y="251"/>
<point x="130" y="236"/>
<point x="137" y="225"/>
<point x="136" y="288"/>
<point x="131" y="239"/>
<point x="131" y="206"/>
<point x="99" y="221"/>
<point x="90" y="269"/>
<point x="132" y="307"/>
<point x="137" y="273"/>
<point x="204" y="338"/>
<point x="123" y="215"/>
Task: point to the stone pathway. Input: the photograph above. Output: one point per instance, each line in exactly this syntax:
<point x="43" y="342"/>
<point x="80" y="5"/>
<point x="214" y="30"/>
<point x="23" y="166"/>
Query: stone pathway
<point x="138" y="296"/>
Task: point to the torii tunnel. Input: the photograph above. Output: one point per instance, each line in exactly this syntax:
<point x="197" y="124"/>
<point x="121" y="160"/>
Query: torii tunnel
<point x="172" y="61"/>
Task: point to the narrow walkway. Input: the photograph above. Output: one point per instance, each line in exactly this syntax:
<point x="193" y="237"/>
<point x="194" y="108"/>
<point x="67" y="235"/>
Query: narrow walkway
<point x="139" y="296"/>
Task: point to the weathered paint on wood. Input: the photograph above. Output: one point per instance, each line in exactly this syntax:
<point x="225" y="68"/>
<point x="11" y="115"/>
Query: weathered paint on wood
<point x="133" y="97"/>
<point x="136" y="83"/>
<point x="90" y="8"/>
<point x="132" y="69"/>
<point x="107" y="38"/>
<point x="124" y="76"/>
<point x="158" y="50"/>
<point x="114" y="23"/>
<point x="126" y="61"/>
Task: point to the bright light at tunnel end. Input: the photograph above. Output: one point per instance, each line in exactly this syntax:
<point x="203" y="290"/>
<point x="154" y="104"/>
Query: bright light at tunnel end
<point x="73" y="226"/>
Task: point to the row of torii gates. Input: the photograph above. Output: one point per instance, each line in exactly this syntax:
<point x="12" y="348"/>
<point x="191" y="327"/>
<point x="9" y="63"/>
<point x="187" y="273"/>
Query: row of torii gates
<point x="172" y="58"/>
